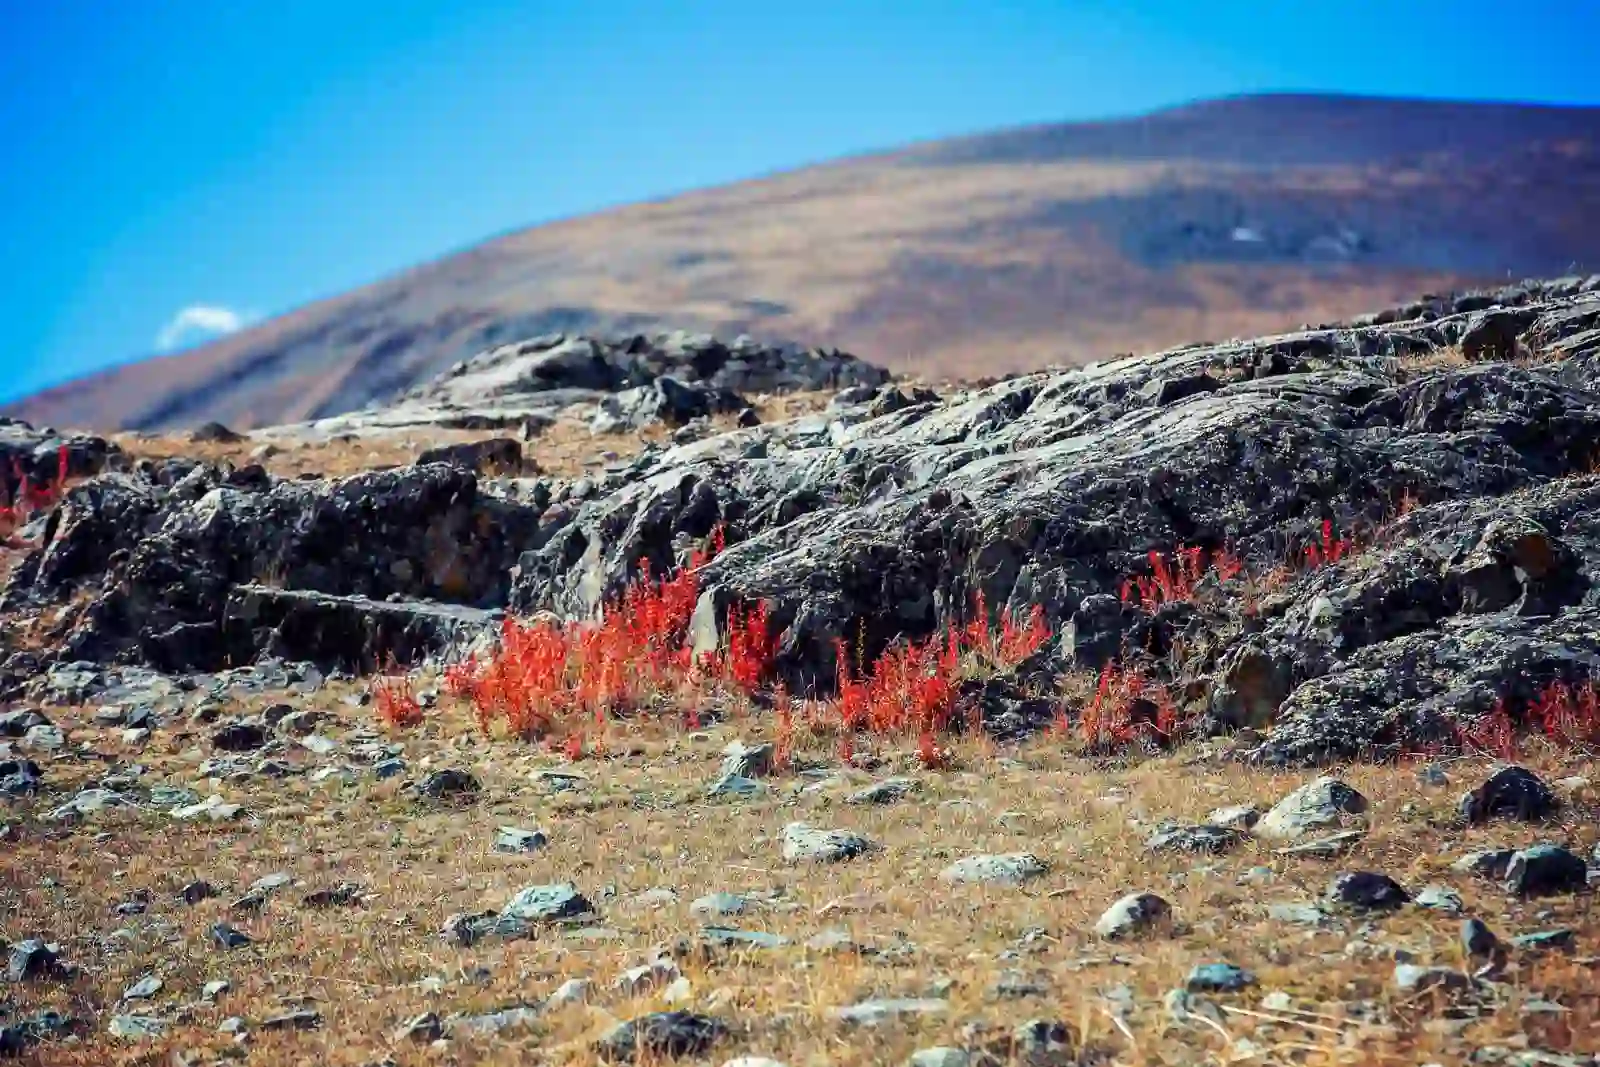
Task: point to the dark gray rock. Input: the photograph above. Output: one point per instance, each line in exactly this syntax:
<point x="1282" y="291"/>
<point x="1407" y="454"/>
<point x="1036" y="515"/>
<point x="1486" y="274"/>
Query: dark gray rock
<point x="449" y="782"/>
<point x="1366" y="891"/>
<point x="19" y="778"/>
<point x="512" y="839"/>
<point x="32" y="959"/>
<point x="1543" y="870"/>
<point x="1319" y="805"/>
<point x="228" y="937"/>
<point x="802" y="843"/>
<point x="1132" y="916"/>
<point x="1212" y="839"/>
<point x="1477" y="939"/>
<point x="501" y="454"/>
<point x="547" y="903"/>
<point x="662" y="1035"/>
<point x="1218" y="978"/>
<point x="1511" y="792"/>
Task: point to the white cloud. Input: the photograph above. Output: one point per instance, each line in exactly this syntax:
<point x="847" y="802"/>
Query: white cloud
<point x="200" y="322"/>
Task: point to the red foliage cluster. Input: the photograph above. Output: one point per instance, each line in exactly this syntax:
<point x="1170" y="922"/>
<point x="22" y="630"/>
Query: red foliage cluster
<point x="911" y="689"/>
<point x="1565" y="715"/>
<point x="19" y="507"/>
<point x="1127" y="709"/>
<point x="397" y="700"/>
<point x="547" y="677"/>
<point x="1176" y="580"/>
<point x="1332" y="549"/>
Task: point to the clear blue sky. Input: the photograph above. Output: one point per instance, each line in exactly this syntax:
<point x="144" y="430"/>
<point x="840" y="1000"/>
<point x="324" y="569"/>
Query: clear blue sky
<point x="242" y="157"/>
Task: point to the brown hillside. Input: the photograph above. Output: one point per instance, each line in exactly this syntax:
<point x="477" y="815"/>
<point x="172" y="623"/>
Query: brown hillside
<point x="982" y="254"/>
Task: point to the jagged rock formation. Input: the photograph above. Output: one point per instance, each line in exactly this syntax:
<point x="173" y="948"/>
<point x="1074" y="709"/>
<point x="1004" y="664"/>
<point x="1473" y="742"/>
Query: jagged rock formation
<point x="670" y="377"/>
<point x="881" y="518"/>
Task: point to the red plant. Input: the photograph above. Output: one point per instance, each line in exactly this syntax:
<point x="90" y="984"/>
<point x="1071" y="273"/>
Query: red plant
<point x="28" y="498"/>
<point x="1331" y="550"/>
<point x="1495" y="734"/>
<point x="1569" y="715"/>
<point x="397" y="700"/>
<point x="1176" y="580"/>
<point x="1127" y="708"/>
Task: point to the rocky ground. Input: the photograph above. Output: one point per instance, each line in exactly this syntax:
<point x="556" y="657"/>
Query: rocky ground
<point x="1368" y="545"/>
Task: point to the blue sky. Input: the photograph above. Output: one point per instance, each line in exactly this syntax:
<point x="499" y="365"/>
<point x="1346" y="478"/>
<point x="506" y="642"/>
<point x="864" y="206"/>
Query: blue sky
<point x="170" y="169"/>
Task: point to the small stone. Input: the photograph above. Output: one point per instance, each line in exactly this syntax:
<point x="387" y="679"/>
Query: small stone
<point x="303" y="1019"/>
<point x="735" y="787"/>
<point x="1318" y="805"/>
<point x="1511" y="792"/>
<point x="239" y="737"/>
<point x="663" y="1035"/>
<point x="512" y="839"/>
<point x="1439" y="898"/>
<point x="728" y="937"/>
<point x="44" y="739"/>
<point x="888" y="791"/>
<point x="227" y="937"/>
<point x="548" y="903"/>
<point x="1416" y="979"/>
<point x="741" y="761"/>
<point x="90" y="802"/>
<point x="1433" y="775"/>
<point x="213" y="990"/>
<point x="1367" y="891"/>
<point x="389" y="768"/>
<point x="1218" y="978"/>
<point x="801" y="844"/>
<point x="1491" y="863"/>
<point x="1299" y="914"/>
<point x="1545" y="940"/>
<point x="572" y="991"/>
<point x="135" y="1027"/>
<point x="1011" y="869"/>
<point x="1134" y="915"/>
<point x="337" y="896"/>
<point x="1477" y="939"/>
<point x="1235" y="817"/>
<point x="720" y="904"/>
<point x="422" y="1029"/>
<point x="212" y="809"/>
<point x="513" y="1017"/>
<point x="940" y="1056"/>
<point x="1208" y="839"/>
<point x="143" y="989"/>
<point x="32" y="959"/>
<point x="878" y="1012"/>
<point x="195" y="892"/>
<point x="17" y="723"/>
<point x="232" y="1025"/>
<point x="1544" y="870"/>
<point x="449" y="782"/>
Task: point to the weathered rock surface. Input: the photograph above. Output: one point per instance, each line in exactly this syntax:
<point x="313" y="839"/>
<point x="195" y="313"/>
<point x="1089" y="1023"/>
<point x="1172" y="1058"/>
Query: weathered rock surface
<point x="883" y="519"/>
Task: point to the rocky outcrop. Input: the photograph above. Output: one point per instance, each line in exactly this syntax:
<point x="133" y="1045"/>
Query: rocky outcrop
<point x="627" y="383"/>
<point x="1462" y="484"/>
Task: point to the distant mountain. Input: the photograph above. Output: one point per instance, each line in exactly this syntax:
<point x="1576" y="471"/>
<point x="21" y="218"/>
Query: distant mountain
<point x="1048" y="244"/>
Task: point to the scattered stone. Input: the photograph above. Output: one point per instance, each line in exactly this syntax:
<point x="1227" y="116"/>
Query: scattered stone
<point x="802" y="844"/>
<point x="212" y="809"/>
<point x="878" y="1012"/>
<point x="1218" y="978"/>
<point x="239" y="737"/>
<point x="1412" y="978"/>
<point x="449" y="782"/>
<point x="342" y="895"/>
<point x="1134" y="915"/>
<point x="1367" y="891"/>
<point x="1545" y="940"/>
<point x="213" y="990"/>
<point x="512" y="1017"/>
<point x="22" y="778"/>
<point x="143" y="989"/>
<point x="1544" y="870"/>
<point x="388" y="768"/>
<point x="742" y="761"/>
<point x="720" y="904"/>
<point x="136" y="1027"/>
<point x="17" y="723"/>
<point x="1439" y="898"/>
<point x="196" y="891"/>
<point x="1298" y="914"/>
<point x="940" y="1056"/>
<point x="91" y="802"/>
<point x="572" y="991"/>
<point x="888" y="791"/>
<point x="227" y="937"/>
<point x="44" y="739"/>
<point x="1012" y="869"/>
<point x="1322" y="803"/>
<point x="1490" y="863"/>
<point x="662" y="1035"/>
<point x="1209" y="839"/>
<point x="422" y="1029"/>
<point x="1477" y="939"/>
<point x="1235" y="817"/>
<point x="301" y="1019"/>
<point x="1511" y="792"/>
<point x="735" y="787"/>
<point x="548" y="903"/>
<point x="512" y="839"/>
<point x="1433" y="775"/>
<point x="32" y="960"/>
<point x="727" y="937"/>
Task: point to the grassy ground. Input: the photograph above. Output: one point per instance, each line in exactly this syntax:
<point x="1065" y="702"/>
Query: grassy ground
<point x="639" y="823"/>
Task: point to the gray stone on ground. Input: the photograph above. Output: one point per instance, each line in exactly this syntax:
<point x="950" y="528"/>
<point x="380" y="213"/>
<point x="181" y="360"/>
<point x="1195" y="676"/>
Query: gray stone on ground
<point x="802" y="843"/>
<point x="888" y="791"/>
<point x="1322" y="804"/>
<point x="1544" y="870"/>
<point x="547" y="903"/>
<point x="876" y="1012"/>
<point x="1011" y="869"/>
<point x="663" y="1035"/>
<point x="1511" y="792"/>
<point x="1210" y="839"/>
<point x="514" y="839"/>
<point x="1134" y="915"/>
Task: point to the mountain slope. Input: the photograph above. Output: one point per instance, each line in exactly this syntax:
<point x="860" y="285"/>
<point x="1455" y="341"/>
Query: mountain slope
<point x="1054" y="244"/>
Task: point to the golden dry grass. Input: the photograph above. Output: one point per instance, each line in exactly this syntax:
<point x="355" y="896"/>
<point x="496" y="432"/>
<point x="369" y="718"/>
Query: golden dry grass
<point x="641" y="823"/>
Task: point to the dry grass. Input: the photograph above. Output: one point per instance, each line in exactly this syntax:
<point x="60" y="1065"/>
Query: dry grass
<point x="641" y="823"/>
<point x="566" y="450"/>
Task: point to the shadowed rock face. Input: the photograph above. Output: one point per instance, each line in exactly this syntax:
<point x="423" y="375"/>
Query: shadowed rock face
<point x="885" y="516"/>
